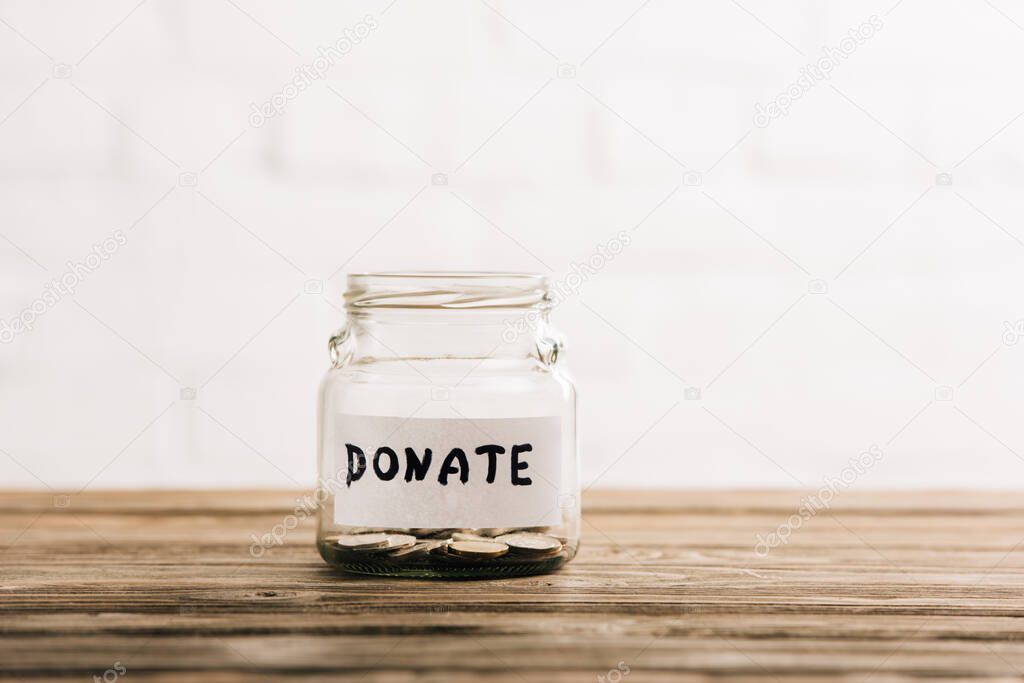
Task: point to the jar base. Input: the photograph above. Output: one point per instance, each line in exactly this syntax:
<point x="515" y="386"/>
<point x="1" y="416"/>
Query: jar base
<point x="443" y="567"/>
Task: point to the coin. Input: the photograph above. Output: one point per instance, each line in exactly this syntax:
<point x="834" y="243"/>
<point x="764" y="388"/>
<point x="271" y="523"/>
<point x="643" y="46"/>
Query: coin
<point x="531" y="544"/>
<point x="492" y="533"/>
<point x="477" y="550"/>
<point x="400" y="541"/>
<point x="462" y="536"/>
<point x="361" y="541"/>
<point x="440" y="549"/>
<point x="432" y="533"/>
<point x="414" y="550"/>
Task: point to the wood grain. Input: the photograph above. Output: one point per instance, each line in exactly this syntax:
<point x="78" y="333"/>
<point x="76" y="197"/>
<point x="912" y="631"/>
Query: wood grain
<point x="882" y="586"/>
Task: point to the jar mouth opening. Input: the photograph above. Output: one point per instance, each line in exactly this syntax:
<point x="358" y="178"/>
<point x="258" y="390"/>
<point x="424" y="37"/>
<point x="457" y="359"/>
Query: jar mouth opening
<point x="447" y="290"/>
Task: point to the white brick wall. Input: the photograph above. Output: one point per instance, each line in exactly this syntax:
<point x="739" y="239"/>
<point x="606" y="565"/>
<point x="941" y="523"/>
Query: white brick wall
<point x="91" y="396"/>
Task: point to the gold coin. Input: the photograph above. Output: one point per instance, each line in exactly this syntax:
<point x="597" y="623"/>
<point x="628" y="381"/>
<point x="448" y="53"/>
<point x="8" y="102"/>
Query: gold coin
<point x="477" y="550"/>
<point x="361" y="541"/>
<point x="531" y="544"/>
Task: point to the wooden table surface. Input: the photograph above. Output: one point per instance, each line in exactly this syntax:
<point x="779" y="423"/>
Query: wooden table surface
<point x="668" y="586"/>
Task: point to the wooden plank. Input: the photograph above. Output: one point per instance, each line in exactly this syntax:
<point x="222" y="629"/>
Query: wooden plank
<point x="525" y="655"/>
<point x="894" y="586"/>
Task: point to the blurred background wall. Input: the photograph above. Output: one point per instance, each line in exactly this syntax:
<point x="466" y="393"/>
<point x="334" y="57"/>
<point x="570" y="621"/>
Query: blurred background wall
<point x="826" y="228"/>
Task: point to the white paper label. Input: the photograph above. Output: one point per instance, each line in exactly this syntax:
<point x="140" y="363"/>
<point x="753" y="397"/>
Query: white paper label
<point x="442" y="473"/>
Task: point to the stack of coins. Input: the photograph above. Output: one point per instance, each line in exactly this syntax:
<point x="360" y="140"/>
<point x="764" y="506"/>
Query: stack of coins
<point x="413" y="547"/>
<point x="363" y="542"/>
<point x="525" y="544"/>
<point x="400" y="542"/>
<point x="433" y="533"/>
<point x="476" y="549"/>
<point x="373" y="542"/>
<point x="494" y="533"/>
<point x="415" y="551"/>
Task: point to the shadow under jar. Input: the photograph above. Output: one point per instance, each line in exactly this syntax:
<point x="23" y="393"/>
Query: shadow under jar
<point x="447" y="430"/>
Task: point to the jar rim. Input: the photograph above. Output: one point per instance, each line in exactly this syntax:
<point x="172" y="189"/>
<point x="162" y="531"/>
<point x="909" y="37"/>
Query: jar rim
<point x="440" y="289"/>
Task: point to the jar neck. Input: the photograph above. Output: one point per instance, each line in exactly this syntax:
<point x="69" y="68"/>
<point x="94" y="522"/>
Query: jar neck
<point x="462" y="334"/>
<point x="447" y="314"/>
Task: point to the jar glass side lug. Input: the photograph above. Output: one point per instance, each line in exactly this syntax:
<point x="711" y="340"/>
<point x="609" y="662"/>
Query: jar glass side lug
<point x="342" y="346"/>
<point x="550" y="345"/>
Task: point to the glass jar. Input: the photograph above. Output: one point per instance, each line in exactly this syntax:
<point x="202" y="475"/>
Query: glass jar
<point x="448" y="429"/>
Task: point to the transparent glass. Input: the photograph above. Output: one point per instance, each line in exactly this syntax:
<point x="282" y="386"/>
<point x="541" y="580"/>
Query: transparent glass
<point x="475" y="350"/>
